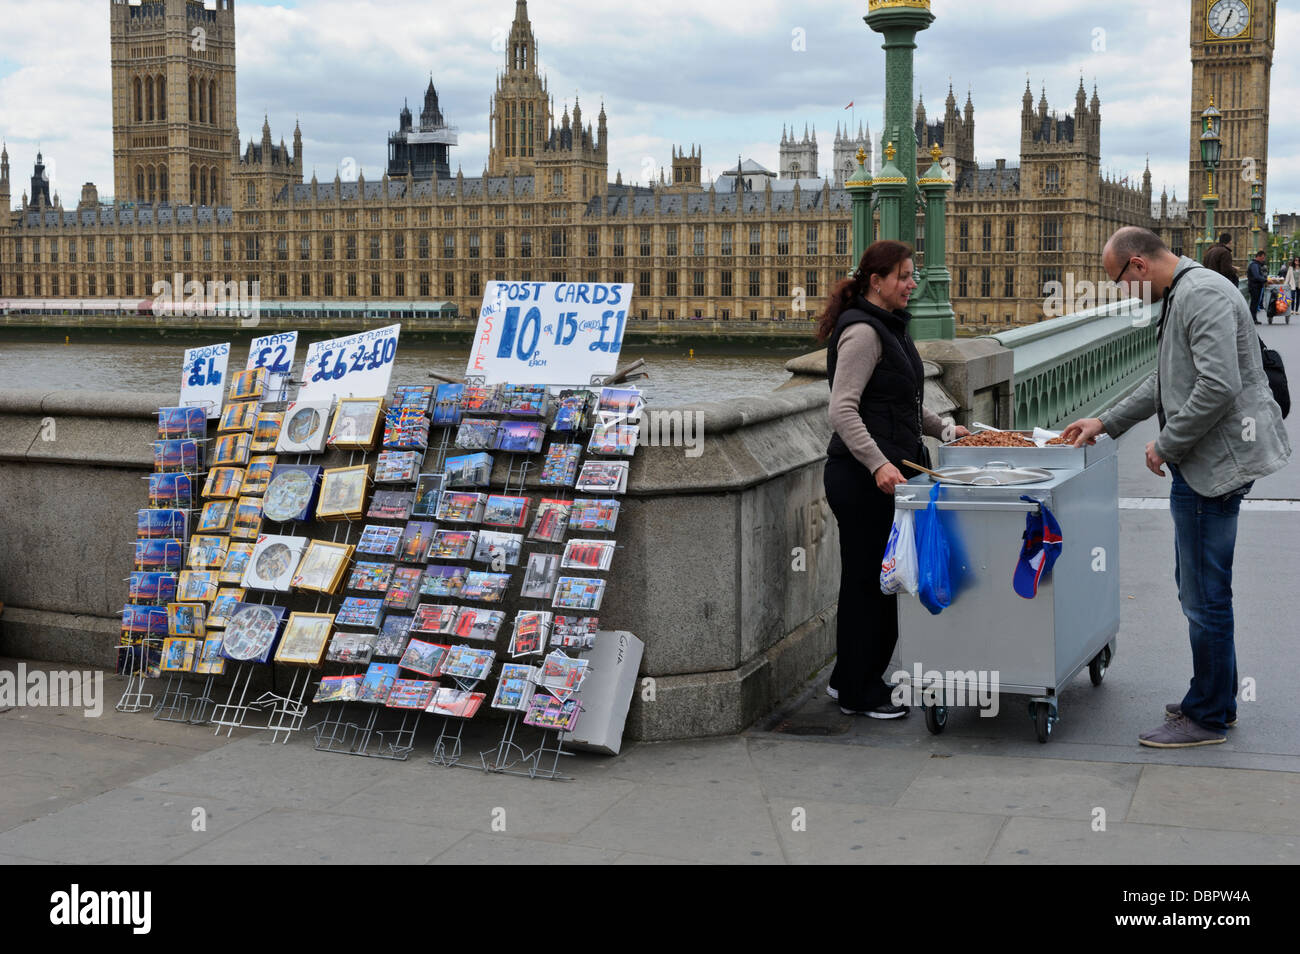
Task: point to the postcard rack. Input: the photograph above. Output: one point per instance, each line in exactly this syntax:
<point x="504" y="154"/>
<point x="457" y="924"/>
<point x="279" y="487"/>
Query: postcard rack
<point x="181" y="705"/>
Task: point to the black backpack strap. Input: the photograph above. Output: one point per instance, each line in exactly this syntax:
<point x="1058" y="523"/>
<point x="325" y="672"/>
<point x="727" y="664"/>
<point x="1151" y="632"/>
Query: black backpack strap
<point x="1160" y="334"/>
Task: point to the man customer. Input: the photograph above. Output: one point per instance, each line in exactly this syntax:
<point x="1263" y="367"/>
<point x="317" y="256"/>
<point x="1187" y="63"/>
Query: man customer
<point x="1218" y="258"/>
<point x="1256" y="282"/>
<point x="1220" y="430"/>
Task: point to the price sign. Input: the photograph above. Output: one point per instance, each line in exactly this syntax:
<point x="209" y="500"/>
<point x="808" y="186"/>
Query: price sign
<point x="549" y="332"/>
<point x="276" y="354"/>
<point x="203" y="378"/>
<point x="359" y="365"/>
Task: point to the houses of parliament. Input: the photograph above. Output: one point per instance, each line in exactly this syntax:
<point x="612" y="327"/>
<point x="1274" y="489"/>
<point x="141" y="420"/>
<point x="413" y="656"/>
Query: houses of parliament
<point x="189" y="198"/>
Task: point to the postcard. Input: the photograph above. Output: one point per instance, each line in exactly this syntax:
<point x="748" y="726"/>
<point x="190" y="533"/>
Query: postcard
<point x="411" y="693"/>
<point x="273" y="563"/>
<point x="216" y="516"/>
<point x="178" y="654"/>
<point x="231" y="450"/>
<point x="370" y="577"/>
<point x="305" y="637"/>
<point x="257" y="476"/>
<point x="304" y="428"/>
<point x="574" y="632"/>
<point x="468" y="663"/>
<point x="575" y="592"/>
<point x="171" y="490"/>
<point x="499" y="549"/>
<point x="485" y="399"/>
<point x="515" y="687"/>
<point x="560" y="467"/>
<point x="154" y="588"/>
<point x="186" y="619"/>
<point x="561" y="674"/>
<point x="469" y="470"/>
<point x="551" y="521"/>
<point x="525" y="400"/>
<point x="517" y="437"/>
<point x="238" y="417"/>
<point x="404" y="588"/>
<point x="461" y="507"/>
<point x="405" y="430"/>
<point x="363" y="611"/>
<point x="197" y="586"/>
<point x="453" y="544"/>
<point x="540" y="576"/>
<point x="323" y="566"/>
<point x="247" y="385"/>
<point x="416" y="538"/>
<point x="209" y="661"/>
<point x="439" y="618"/>
<point x="573" y="409"/>
<point x="614" y="440"/>
<point x="252" y="632"/>
<point x="548" y="712"/>
<point x="588" y="555"/>
<point x="446" y="405"/>
<point x="224" y="604"/>
<point x="485" y="587"/>
<point x="207" y="552"/>
<point x="144" y="620"/>
<point x="455" y="703"/>
<point x="338" y="689"/>
<point x="266" y="431"/>
<point x="355" y="423"/>
<point x="502" y="511"/>
<point x="477" y="433"/>
<point x="442" y="580"/>
<point x="176" y="422"/>
<point x="379" y="540"/>
<point x="428" y="490"/>
<point x="352" y="648"/>
<point x="531" y="630"/>
<point x="481" y="624"/>
<point x="176" y="456"/>
<point x="619" y="405"/>
<point x="392" y="505"/>
<point x="248" y="519"/>
<point x="393" y="635"/>
<point x="424" y="658"/>
<point x="415" y="396"/>
<point x="236" y="564"/>
<point x="589" y="516"/>
<point x="153" y="524"/>
<point x="291" y="492"/>
<point x="603" y="477"/>
<point x="159" y="556"/>
<point x="378" y="683"/>
<point x="396" y="467"/>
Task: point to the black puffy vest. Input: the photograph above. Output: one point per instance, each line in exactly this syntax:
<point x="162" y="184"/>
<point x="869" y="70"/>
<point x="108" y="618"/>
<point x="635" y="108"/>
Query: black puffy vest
<point x="891" y="402"/>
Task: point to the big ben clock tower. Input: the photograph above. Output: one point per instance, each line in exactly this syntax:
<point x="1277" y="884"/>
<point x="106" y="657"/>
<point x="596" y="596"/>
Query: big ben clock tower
<point x="1232" y="61"/>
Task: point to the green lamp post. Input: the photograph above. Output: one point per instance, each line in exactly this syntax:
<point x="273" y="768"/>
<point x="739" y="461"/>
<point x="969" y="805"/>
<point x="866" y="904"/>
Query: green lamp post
<point x="930" y="307"/>
<point x="864" y="227"/>
<point x="1211" y="150"/>
<point x="1256" y="206"/>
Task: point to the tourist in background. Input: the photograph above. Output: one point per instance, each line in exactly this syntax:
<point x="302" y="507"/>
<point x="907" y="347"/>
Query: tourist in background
<point x="1291" y="284"/>
<point x="1218" y="258"/>
<point x="876" y="380"/>
<point x="1256" y="282"/>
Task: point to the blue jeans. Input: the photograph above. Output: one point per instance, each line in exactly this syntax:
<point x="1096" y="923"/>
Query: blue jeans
<point x="1205" y="536"/>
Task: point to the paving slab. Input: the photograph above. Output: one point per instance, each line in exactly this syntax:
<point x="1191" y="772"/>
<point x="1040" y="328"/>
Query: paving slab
<point x="1218" y="799"/>
<point x="478" y="848"/>
<point x="834" y="772"/>
<point x="1027" y="840"/>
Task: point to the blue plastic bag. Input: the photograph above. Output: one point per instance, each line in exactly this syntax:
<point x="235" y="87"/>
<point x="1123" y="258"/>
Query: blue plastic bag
<point x="935" y="583"/>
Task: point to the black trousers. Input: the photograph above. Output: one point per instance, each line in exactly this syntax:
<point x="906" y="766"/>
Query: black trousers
<point x="867" y="621"/>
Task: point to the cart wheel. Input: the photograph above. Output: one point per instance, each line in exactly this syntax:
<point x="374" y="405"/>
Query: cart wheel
<point x="1043" y="721"/>
<point x="936" y="717"/>
<point x="1097" y="668"/>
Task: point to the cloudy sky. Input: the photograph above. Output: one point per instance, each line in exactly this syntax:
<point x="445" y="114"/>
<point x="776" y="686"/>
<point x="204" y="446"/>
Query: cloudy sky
<point x="723" y="75"/>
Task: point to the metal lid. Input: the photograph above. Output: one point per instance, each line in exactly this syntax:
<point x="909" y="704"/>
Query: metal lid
<point x="995" y="474"/>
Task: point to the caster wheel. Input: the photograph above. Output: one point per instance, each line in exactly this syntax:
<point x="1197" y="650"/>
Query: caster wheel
<point x="1043" y="721"/>
<point x="1097" y="668"/>
<point x="936" y="717"/>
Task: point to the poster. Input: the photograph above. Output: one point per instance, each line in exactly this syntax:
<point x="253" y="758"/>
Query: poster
<point x="549" y="332"/>
<point x="359" y="365"/>
<point x="203" y="378"/>
<point x="275" y="353"/>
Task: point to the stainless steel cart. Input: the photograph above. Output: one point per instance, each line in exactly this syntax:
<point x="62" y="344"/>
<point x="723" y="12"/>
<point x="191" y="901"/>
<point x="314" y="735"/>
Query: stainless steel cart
<point x="1035" y="646"/>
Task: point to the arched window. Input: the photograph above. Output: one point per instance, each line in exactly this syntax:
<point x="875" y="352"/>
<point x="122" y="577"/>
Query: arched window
<point x="194" y="184"/>
<point x="139" y="181"/>
<point x="192" y="91"/>
<point x="162" y="97"/>
<point x="212" y="102"/>
<point x="153" y="185"/>
<point x="203" y="101"/>
<point x="139" y="100"/>
<point x="212" y="188"/>
<point x="148" y="98"/>
<point x="162" y="185"/>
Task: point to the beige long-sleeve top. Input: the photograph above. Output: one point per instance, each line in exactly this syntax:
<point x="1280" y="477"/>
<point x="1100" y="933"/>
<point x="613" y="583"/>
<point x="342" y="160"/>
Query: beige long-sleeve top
<point x="859" y="353"/>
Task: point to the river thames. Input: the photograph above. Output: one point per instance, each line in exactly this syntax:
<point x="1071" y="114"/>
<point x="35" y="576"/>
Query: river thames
<point x="675" y="377"/>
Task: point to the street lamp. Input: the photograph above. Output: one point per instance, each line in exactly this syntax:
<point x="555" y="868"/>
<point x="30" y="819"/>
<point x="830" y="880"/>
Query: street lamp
<point x="1256" y="206"/>
<point x="1211" y="150"/>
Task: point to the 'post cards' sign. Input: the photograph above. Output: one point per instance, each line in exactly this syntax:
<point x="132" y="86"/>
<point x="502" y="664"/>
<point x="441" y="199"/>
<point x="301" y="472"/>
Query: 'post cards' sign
<point x="359" y="365"/>
<point x="275" y="353"/>
<point x="203" y="378"/>
<point x="549" y="332"/>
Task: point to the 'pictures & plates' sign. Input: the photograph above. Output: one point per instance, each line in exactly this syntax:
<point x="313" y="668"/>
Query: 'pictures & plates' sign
<point x="359" y="365"/>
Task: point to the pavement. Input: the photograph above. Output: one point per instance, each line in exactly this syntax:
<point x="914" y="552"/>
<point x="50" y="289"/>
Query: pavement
<point x="807" y="785"/>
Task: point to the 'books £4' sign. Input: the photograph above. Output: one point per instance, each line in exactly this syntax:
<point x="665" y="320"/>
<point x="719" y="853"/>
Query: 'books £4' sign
<point x="549" y="332"/>
<point x="203" y="376"/>
<point x="359" y="365"/>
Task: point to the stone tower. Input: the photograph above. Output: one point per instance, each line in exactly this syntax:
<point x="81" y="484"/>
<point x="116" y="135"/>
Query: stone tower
<point x="799" y="156"/>
<point x="845" y="155"/>
<point x="521" y="112"/>
<point x="686" y="168"/>
<point x="265" y="169"/>
<point x="173" y="75"/>
<point x="1232" y="60"/>
<point x="5" y="197"/>
<point x="573" y="163"/>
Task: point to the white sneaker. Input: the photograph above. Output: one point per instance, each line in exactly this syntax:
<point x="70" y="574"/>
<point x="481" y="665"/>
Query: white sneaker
<point x="833" y="693"/>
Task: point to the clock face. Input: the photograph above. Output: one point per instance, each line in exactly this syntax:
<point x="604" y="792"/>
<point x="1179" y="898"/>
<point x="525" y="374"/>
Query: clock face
<point x="1228" y="18"/>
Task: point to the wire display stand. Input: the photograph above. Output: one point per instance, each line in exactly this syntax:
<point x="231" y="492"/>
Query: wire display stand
<point x="231" y="715"/>
<point x="134" y="698"/>
<point x="181" y="705"/>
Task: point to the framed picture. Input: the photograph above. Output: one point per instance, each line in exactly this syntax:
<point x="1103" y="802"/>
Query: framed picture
<point x="266" y="431"/>
<point x="252" y="632"/>
<point x="237" y="557"/>
<point x="231" y="450"/>
<point x="304" y="428"/>
<point x="356" y="422"/>
<point x="273" y="563"/>
<point x="323" y="566"/>
<point x="305" y="637"/>
<point x="291" y="492"/>
<point x="238" y="417"/>
<point x="343" y="493"/>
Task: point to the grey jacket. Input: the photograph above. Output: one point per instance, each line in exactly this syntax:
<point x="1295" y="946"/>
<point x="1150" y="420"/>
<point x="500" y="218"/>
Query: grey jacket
<point x="1222" y="429"/>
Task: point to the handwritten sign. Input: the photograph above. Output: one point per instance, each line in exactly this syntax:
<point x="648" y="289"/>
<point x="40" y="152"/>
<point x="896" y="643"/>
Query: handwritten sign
<point x="359" y="365"/>
<point x="276" y="354"/>
<point x="203" y="378"/>
<point x="549" y="332"/>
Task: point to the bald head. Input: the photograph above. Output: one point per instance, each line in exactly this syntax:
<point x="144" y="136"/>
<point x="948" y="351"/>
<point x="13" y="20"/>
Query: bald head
<point x="1139" y="254"/>
<point x="1132" y="240"/>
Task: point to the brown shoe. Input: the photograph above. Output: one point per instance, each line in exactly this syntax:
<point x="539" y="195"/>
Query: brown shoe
<point x="1180" y="733"/>
<point x="1174" y="710"/>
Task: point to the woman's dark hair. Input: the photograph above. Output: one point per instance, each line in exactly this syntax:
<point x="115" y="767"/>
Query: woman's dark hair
<point x="880" y="258"/>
